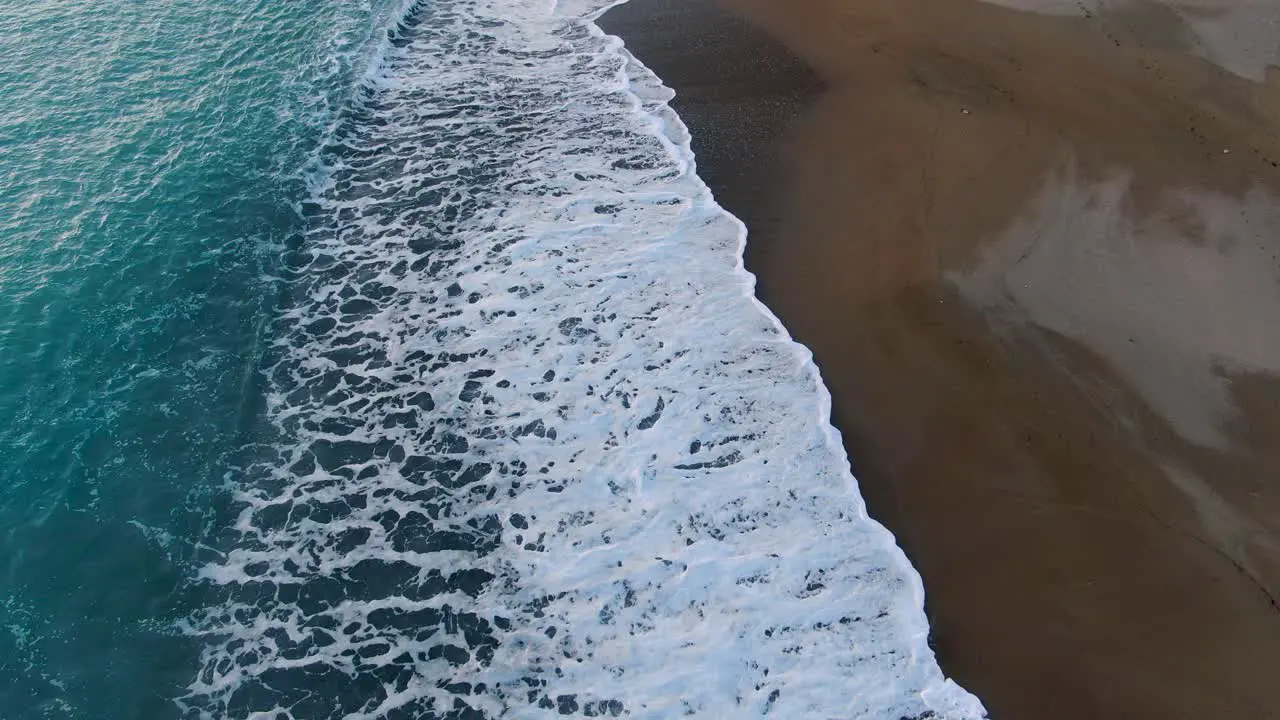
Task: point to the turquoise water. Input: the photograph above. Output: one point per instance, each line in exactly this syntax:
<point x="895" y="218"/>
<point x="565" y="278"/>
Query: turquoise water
<point x="152" y="157"/>
<point x="388" y="359"/>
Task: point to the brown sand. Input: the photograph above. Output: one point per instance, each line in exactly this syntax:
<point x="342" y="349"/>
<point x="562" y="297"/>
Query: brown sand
<point x="1047" y="304"/>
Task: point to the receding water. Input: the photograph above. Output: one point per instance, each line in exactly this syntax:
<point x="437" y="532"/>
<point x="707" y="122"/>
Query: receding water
<point x="391" y="361"/>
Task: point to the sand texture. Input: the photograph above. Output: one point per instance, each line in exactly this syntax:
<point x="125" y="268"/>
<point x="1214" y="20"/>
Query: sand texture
<point x="1037" y="258"/>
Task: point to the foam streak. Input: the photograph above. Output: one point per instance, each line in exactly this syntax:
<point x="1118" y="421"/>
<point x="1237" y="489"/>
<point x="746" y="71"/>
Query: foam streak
<point x="543" y="452"/>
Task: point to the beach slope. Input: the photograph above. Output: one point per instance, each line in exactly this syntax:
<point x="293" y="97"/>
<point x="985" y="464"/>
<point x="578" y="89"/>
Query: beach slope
<point x="1037" y="258"/>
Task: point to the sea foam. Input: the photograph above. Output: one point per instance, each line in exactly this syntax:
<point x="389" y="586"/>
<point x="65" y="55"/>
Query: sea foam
<point x="540" y="450"/>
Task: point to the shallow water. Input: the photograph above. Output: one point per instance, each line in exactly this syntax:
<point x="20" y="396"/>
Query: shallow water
<point x="153" y="160"/>
<point x="418" y="376"/>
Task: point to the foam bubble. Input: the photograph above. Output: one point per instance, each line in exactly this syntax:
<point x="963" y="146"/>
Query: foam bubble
<point x="541" y="451"/>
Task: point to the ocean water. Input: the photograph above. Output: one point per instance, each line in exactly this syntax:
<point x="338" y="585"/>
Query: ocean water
<point x="152" y="158"/>
<point x="389" y="360"/>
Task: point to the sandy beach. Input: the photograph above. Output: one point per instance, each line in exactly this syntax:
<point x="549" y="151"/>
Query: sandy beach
<point x="1036" y="253"/>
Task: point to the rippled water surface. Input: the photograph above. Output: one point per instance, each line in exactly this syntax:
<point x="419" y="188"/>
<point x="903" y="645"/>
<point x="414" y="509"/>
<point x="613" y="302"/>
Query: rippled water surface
<point x="151" y="165"/>
<point x="391" y="361"/>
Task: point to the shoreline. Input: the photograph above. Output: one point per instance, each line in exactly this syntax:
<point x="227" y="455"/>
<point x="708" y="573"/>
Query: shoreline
<point x="1096" y="539"/>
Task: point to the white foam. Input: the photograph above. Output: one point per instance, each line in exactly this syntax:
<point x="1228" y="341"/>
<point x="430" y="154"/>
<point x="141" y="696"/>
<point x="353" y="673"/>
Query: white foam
<point x="621" y="445"/>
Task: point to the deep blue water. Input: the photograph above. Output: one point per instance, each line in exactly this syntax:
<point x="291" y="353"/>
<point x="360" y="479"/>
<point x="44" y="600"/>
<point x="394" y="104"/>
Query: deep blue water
<point x="152" y="158"/>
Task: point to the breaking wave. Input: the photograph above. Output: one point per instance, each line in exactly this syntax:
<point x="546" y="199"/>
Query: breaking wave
<point x="540" y="451"/>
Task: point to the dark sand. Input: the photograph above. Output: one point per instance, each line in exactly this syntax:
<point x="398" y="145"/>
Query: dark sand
<point x="1047" y="304"/>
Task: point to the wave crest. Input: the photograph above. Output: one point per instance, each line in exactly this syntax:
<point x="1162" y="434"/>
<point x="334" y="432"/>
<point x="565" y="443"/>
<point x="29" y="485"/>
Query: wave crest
<point x="542" y="452"/>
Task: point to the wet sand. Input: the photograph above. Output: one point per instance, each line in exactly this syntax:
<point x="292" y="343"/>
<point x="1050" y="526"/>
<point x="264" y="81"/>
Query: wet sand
<point x="1037" y="258"/>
